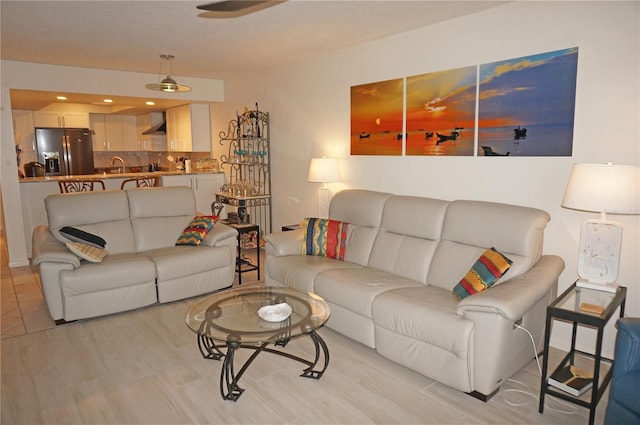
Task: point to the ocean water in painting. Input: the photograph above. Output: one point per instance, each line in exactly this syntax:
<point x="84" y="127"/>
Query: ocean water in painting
<point x="540" y="140"/>
<point x="381" y="143"/>
<point x="428" y="142"/>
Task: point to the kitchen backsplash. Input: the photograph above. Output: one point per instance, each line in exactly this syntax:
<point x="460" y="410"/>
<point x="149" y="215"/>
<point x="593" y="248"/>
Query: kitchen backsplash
<point x="134" y="159"/>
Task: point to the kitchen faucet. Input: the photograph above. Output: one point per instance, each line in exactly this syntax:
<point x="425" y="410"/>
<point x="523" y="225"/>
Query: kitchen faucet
<point x="117" y="158"/>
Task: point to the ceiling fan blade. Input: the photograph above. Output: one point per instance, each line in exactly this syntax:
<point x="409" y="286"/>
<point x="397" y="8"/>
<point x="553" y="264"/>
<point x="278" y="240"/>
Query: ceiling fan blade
<point x="234" y="8"/>
<point x="232" y="5"/>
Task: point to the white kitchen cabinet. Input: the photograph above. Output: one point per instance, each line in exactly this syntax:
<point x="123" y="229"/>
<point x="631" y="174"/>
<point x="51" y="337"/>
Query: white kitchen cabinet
<point x="60" y="119"/>
<point x="98" y="132"/>
<point x="114" y="132"/>
<point x="129" y="132"/>
<point x="150" y="142"/>
<point x="204" y="186"/>
<point x="121" y="132"/>
<point x="189" y="128"/>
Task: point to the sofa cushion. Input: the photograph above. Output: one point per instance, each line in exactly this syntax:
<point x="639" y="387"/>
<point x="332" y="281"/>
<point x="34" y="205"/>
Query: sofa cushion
<point x="87" y="252"/>
<point x="179" y="261"/>
<point x="197" y="230"/>
<point x="472" y="227"/>
<point x="408" y="236"/>
<point x="487" y="269"/>
<point x="324" y="237"/>
<point x="121" y="282"/>
<point x="159" y="215"/>
<point x="300" y="271"/>
<point x="360" y="207"/>
<point x="79" y="235"/>
<point x="109" y="218"/>
<point x="355" y="289"/>
<point x="424" y="313"/>
<point x="116" y="271"/>
<point x="418" y="327"/>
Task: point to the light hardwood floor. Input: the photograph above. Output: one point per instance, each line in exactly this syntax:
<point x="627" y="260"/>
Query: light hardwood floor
<point x="144" y="367"/>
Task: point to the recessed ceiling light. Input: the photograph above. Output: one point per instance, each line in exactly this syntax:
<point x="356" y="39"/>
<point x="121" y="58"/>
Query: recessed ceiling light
<point x="150" y="103"/>
<point x="61" y="97"/>
<point x="108" y="101"/>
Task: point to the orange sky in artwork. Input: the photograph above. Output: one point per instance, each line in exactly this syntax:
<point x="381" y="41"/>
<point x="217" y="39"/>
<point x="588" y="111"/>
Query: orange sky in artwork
<point x="377" y="106"/>
<point x="441" y="100"/>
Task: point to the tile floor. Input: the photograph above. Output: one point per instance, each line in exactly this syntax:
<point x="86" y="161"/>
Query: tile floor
<point x="23" y="307"/>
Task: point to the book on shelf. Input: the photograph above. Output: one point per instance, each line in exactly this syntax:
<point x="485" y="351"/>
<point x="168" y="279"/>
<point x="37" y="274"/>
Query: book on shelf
<point x="572" y="380"/>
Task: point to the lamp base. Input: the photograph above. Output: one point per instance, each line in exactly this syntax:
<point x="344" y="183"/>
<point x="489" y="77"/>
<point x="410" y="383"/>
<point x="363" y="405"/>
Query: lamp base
<point x="324" y="200"/>
<point x="599" y="255"/>
<point x="605" y="287"/>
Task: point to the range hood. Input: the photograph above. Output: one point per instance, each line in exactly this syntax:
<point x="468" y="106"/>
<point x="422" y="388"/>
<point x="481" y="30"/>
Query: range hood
<point x="158" y="129"/>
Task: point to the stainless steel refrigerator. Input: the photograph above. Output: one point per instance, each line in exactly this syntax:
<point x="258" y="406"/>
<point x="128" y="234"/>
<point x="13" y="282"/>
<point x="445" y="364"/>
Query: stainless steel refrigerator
<point x="65" y="151"/>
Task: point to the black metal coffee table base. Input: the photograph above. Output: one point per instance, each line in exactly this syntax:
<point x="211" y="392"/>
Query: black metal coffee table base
<point x="229" y="388"/>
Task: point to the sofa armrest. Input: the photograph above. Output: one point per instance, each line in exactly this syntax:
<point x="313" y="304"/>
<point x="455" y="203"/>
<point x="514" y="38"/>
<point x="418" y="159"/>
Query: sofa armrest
<point x="220" y="233"/>
<point x="627" y="354"/>
<point x="514" y="297"/>
<point x="280" y="244"/>
<point x="46" y="248"/>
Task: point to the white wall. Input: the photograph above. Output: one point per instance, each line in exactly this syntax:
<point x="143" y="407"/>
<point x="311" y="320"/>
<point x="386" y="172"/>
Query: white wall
<point x="309" y="104"/>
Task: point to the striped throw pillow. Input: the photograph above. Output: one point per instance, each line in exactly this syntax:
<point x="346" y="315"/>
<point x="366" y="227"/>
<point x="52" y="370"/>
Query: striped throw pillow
<point x="196" y="231"/>
<point x="324" y="237"/>
<point x="490" y="267"/>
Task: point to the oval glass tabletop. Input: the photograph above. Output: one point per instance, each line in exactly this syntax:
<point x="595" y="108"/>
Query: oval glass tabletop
<point x="232" y="315"/>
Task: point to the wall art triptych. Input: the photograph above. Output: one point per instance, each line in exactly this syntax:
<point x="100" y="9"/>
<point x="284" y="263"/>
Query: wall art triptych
<point x="517" y="107"/>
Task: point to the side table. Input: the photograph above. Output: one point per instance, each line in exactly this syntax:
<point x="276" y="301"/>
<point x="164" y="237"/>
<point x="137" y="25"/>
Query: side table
<point x="243" y="265"/>
<point x="567" y="308"/>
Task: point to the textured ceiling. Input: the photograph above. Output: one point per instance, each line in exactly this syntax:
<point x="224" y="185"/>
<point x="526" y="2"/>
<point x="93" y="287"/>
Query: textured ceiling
<point x="130" y="35"/>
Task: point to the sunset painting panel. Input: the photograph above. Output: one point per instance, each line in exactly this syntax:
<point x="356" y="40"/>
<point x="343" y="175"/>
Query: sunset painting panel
<point x="441" y="112"/>
<point x="376" y="118"/>
<point x="526" y="105"/>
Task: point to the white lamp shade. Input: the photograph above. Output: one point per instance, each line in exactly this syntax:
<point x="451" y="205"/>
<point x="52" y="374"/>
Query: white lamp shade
<point x="324" y="170"/>
<point x="604" y="188"/>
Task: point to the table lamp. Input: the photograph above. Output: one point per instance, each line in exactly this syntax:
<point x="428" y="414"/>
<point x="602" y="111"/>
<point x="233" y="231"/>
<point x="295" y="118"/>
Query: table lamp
<point x="603" y="188"/>
<point x="324" y="170"/>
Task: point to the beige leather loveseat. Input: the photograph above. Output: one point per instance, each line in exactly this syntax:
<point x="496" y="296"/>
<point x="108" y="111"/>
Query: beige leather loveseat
<point x="140" y="227"/>
<point x="393" y="291"/>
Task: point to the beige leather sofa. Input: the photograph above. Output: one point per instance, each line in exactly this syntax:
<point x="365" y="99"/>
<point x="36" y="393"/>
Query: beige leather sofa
<point x="140" y="227"/>
<point x="393" y="291"/>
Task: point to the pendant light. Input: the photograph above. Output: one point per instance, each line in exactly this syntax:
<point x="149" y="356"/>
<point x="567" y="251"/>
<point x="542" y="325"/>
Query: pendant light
<point x="168" y="85"/>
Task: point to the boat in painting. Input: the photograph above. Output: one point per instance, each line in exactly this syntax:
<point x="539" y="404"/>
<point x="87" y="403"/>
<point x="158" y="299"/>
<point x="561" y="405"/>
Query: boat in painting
<point x="519" y="133"/>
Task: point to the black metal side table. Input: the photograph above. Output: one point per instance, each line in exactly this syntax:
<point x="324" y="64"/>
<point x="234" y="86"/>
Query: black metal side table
<point x="243" y="265"/>
<point x="567" y="307"/>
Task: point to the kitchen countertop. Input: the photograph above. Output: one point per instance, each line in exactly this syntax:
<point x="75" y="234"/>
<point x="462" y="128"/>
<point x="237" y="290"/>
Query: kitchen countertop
<point x="105" y="176"/>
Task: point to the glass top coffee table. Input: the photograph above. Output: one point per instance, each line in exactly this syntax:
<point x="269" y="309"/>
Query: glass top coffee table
<point x="253" y="318"/>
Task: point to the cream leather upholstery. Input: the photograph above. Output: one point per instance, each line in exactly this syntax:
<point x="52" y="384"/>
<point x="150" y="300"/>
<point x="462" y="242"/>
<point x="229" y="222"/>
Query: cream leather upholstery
<point x="404" y="256"/>
<point x="144" y="267"/>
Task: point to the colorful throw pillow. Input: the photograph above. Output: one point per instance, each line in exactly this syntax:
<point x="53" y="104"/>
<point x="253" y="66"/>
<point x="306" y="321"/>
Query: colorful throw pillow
<point x="88" y="252"/>
<point x="324" y="237"/>
<point x="196" y="231"/>
<point x="490" y="267"/>
<point x="77" y="235"/>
